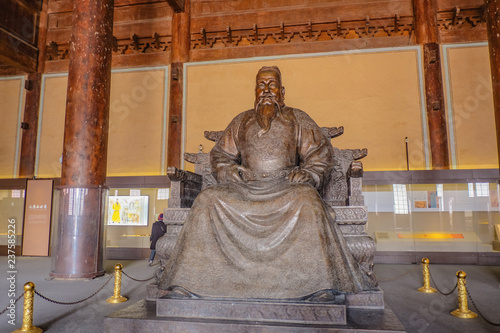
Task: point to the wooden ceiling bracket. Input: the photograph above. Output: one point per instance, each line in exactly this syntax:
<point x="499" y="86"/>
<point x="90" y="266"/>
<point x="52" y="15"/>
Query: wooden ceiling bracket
<point x="157" y="41"/>
<point x="114" y="41"/>
<point x="203" y="37"/>
<point x="483" y="13"/>
<point x="135" y="42"/>
<point x="229" y="35"/>
<point x="28" y="84"/>
<point x="456" y="11"/>
<point x="52" y="50"/>
<point x="177" y="5"/>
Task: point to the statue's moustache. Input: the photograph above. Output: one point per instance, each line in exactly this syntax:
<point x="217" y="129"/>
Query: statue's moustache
<point x="267" y="98"/>
<point x="267" y="106"/>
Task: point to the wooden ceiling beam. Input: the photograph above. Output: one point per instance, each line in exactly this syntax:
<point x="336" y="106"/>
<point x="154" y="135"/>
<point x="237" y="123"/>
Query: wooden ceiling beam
<point x="177" y="5"/>
<point x="17" y="53"/>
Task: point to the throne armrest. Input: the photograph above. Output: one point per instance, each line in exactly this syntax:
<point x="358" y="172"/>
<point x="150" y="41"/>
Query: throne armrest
<point x="355" y="169"/>
<point x="199" y="159"/>
<point x="343" y="188"/>
<point x="176" y="175"/>
<point x="184" y="187"/>
<point x="355" y="184"/>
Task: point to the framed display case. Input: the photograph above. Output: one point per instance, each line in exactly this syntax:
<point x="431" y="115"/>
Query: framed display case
<point x="449" y="217"/>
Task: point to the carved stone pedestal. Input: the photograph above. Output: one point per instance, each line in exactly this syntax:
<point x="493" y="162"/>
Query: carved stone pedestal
<point x="290" y="313"/>
<point x="270" y="317"/>
<point x="369" y="300"/>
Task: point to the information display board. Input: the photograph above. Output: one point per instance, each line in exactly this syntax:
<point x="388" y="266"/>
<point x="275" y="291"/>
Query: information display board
<point x="37" y="217"/>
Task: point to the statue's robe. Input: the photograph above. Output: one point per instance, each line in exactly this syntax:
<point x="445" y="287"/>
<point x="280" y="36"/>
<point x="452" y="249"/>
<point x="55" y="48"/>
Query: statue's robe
<point x="266" y="237"/>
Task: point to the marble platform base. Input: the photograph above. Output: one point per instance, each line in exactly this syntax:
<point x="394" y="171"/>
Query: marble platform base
<point x="155" y="316"/>
<point x="496" y="245"/>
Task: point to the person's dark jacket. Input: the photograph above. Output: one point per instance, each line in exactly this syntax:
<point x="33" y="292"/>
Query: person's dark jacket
<point x="159" y="228"/>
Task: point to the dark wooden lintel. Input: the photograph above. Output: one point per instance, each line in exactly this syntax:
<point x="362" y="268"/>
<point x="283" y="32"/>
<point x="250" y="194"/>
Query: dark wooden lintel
<point x="118" y="61"/>
<point x="295" y="48"/>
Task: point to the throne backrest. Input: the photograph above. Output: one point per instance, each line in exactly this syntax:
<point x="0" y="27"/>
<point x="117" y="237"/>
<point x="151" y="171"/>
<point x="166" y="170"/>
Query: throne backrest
<point x="343" y="188"/>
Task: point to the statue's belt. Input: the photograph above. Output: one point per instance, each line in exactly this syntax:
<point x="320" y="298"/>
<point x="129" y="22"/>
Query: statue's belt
<point x="249" y="176"/>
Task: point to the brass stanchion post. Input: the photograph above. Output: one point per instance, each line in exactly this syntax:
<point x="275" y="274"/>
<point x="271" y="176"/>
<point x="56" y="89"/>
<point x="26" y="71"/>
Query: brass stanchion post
<point x="463" y="309"/>
<point x="427" y="285"/>
<point x="117" y="298"/>
<point x="29" y="294"/>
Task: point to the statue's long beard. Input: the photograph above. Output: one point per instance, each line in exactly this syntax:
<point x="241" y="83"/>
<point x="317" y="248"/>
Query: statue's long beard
<point x="266" y="110"/>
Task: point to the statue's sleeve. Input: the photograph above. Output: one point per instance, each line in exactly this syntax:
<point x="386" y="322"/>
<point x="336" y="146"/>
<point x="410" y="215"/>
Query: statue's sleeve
<point x="225" y="151"/>
<point x="315" y="149"/>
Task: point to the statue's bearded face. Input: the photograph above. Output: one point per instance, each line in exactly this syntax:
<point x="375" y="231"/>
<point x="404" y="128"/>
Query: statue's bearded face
<point x="269" y="97"/>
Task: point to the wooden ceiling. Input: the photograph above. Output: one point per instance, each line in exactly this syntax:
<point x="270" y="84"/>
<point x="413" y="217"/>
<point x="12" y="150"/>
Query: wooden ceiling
<point x="35" y="34"/>
<point x="19" y="22"/>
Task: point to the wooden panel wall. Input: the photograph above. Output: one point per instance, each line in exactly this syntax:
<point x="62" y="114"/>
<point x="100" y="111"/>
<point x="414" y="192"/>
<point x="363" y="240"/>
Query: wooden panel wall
<point x="229" y="29"/>
<point x="141" y="31"/>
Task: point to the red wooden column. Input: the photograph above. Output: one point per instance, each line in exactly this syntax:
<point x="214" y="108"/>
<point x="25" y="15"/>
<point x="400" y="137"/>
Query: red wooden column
<point x="77" y="250"/>
<point x="493" y="23"/>
<point x="426" y="32"/>
<point x="181" y="41"/>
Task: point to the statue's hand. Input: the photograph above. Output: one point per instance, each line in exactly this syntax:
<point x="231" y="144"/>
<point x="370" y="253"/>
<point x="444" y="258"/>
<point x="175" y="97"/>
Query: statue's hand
<point x="300" y="176"/>
<point x="230" y="173"/>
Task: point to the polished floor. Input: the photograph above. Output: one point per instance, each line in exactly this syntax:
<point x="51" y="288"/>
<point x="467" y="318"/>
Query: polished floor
<point x="417" y="311"/>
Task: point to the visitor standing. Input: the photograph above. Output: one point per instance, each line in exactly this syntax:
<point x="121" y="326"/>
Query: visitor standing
<point x="159" y="228"/>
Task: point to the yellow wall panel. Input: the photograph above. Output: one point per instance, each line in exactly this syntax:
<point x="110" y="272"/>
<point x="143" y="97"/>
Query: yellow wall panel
<point x="135" y="129"/>
<point x="374" y="95"/>
<point x="136" y="123"/>
<point x="472" y="107"/>
<point x="51" y="128"/>
<point x="10" y="96"/>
